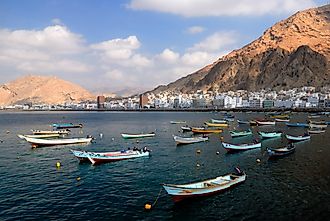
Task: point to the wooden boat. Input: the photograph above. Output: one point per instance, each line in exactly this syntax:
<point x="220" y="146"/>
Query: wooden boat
<point x="132" y="136"/>
<point x="199" y="130"/>
<point x="203" y="188"/>
<point x="297" y="124"/>
<point x="38" y="136"/>
<point x="37" y="142"/>
<point x="104" y="157"/>
<point x="298" y="138"/>
<point x="265" y="122"/>
<point x="279" y="152"/>
<point x="253" y="123"/>
<point x="265" y="135"/>
<point x="185" y="129"/>
<point x="235" y="133"/>
<point x="66" y="125"/>
<point x="281" y="116"/>
<point x="316" y="130"/>
<point x="236" y="147"/>
<point x="189" y="140"/>
<point x="50" y="132"/>
<point x="282" y="120"/>
<point x="215" y="124"/>
<point x="178" y="122"/>
<point x="243" y="122"/>
<point x="221" y="121"/>
<point x="318" y="125"/>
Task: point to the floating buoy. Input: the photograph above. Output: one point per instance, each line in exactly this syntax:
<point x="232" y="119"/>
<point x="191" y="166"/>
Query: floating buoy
<point x="112" y="139"/>
<point x="7" y="131"/>
<point x="147" y="206"/>
<point x="137" y="141"/>
<point x="217" y="152"/>
<point x="258" y="160"/>
<point x="198" y="165"/>
<point x="58" y="164"/>
<point x="101" y="135"/>
<point x="221" y="138"/>
<point x="198" y="151"/>
<point x="78" y="178"/>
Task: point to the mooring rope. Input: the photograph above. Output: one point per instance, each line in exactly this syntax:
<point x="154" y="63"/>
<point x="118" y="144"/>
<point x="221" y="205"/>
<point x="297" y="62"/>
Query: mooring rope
<point x="160" y="191"/>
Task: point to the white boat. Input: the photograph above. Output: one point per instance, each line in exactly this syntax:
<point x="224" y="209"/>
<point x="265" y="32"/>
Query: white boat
<point x="132" y="136"/>
<point x="245" y="146"/>
<point x="185" y="129"/>
<point x="177" y="122"/>
<point x="103" y="157"/>
<point x="36" y="142"/>
<point x="189" y="140"/>
<point x="281" y="120"/>
<point x="316" y="130"/>
<point x="50" y="131"/>
<point x="38" y="136"/>
<point x="265" y="122"/>
<point x="313" y="125"/>
<point x="203" y="188"/>
<point x="243" y="122"/>
<point x="218" y="121"/>
<point x="265" y="135"/>
<point x="298" y="138"/>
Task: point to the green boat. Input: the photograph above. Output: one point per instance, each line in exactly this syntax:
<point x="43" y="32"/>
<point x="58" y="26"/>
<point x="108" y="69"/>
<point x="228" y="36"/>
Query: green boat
<point x="265" y="135"/>
<point x="235" y="133"/>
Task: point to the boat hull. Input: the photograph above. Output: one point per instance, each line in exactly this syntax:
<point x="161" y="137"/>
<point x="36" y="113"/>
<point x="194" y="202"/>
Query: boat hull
<point x="297" y="138"/>
<point x="134" y="136"/>
<point x="189" y="140"/>
<point x="205" y="131"/>
<point x="233" y="147"/>
<point x="269" y="135"/>
<point x="37" y="142"/>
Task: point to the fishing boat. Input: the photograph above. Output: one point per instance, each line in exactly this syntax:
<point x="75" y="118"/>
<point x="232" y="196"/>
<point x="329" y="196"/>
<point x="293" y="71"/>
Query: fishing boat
<point x="178" y="122"/>
<point x="282" y="120"/>
<point x="37" y="142"/>
<point x="281" y="116"/>
<point x="203" y="188"/>
<point x="297" y="124"/>
<point x="132" y="136"/>
<point x="322" y="125"/>
<point x="200" y="130"/>
<point x="189" y="140"/>
<point x="38" y="132"/>
<point x="253" y="123"/>
<point x="265" y="122"/>
<point x="314" y="116"/>
<point x="216" y="124"/>
<point x="229" y="119"/>
<point x="185" y="129"/>
<point x="265" y="135"/>
<point x="221" y="121"/>
<point x="316" y="130"/>
<point x="66" y="125"/>
<point x="104" y="157"/>
<point x="243" y="122"/>
<point x="298" y="138"/>
<point x="38" y="136"/>
<point x="235" y="133"/>
<point x="237" y="147"/>
<point x="279" y="152"/>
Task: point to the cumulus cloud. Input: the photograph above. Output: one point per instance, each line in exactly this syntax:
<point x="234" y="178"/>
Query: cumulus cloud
<point x="199" y="8"/>
<point x="195" y="30"/>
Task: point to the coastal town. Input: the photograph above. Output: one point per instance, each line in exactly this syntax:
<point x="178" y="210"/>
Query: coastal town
<point x="305" y="97"/>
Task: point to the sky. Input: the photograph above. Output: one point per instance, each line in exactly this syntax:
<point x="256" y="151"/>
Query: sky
<point x="116" y="46"/>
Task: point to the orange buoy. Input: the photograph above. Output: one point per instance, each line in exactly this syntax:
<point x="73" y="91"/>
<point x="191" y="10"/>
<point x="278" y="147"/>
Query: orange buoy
<point x="147" y="206"/>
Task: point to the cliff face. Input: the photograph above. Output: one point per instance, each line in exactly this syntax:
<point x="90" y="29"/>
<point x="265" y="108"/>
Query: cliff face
<point x="41" y="89"/>
<point x="293" y="53"/>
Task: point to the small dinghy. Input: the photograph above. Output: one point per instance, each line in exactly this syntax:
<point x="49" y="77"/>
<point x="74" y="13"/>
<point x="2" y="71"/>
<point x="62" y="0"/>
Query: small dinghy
<point x="37" y="142"/>
<point x="239" y="147"/>
<point x="279" y="152"/>
<point x="188" y="140"/>
<point x="216" y="124"/>
<point x="104" y="157"/>
<point x="221" y="121"/>
<point x="235" y="133"/>
<point x="265" y="135"/>
<point x="265" y="122"/>
<point x="199" y="130"/>
<point x="39" y="136"/>
<point x="185" y="129"/>
<point x="243" y="122"/>
<point x="203" y="188"/>
<point x="282" y="120"/>
<point x="297" y="125"/>
<point x="177" y="122"/>
<point x="132" y="136"/>
<point x="298" y="138"/>
<point x="316" y="130"/>
<point x="66" y="125"/>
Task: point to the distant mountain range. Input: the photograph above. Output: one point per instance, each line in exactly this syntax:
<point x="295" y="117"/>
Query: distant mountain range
<point x="294" y="52"/>
<point x="42" y="90"/>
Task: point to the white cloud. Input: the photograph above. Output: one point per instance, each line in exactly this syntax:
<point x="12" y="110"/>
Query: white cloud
<point x="168" y="56"/>
<point x="198" y="8"/>
<point x="215" y="42"/>
<point x="195" y="30"/>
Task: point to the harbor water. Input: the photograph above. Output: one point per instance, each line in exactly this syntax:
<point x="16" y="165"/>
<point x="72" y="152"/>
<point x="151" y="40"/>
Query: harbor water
<point x="295" y="187"/>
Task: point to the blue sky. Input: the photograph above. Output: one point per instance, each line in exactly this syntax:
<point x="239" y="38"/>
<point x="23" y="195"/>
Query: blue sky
<point x="113" y="45"/>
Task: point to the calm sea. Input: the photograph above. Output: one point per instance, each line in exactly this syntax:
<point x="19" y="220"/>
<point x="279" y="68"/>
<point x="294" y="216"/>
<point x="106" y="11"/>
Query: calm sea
<point x="296" y="187"/>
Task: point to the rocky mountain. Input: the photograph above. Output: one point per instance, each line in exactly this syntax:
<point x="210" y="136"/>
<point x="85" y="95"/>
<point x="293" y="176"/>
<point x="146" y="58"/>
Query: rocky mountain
<point x="294" y="52"/>
<point x="42" y="90"/>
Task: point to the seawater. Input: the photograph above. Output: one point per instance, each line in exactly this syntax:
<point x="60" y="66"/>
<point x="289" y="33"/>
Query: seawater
<point x="296" y="187"/>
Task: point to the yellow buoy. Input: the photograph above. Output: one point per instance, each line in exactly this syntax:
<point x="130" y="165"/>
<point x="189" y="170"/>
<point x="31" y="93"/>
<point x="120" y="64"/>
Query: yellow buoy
<point x="221" y="138"/>
<point x="147" y="206"/>
<point x="78" y="178"/>
<point x="258" y="160"/>
<point x="58" y="164"/>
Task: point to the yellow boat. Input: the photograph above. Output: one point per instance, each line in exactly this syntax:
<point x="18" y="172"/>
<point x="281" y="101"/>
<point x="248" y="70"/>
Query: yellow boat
<point x="281" y="116"/>
<point x="216" y="124"/>
<point x="205" y="131"/>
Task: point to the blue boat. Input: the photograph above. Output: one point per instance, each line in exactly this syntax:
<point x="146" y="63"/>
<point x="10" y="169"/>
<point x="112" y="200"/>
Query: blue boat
<point x="66" y="125"/>
<point x="297" y="124"/>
